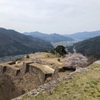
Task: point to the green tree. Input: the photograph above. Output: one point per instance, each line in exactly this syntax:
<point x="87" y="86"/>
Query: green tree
<point x="60" y="49"/>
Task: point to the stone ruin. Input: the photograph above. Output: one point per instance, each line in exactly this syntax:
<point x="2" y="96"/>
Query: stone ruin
<point x="22" y="67"/>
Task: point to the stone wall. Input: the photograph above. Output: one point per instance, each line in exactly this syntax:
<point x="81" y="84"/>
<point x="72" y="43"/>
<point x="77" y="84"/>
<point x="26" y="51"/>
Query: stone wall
<point x="37" y="72"/>
<point x="24" y="68"/>
<point x="51" y="85"/>
<point x="9" y="70"/>
<point x="3" y="69"/>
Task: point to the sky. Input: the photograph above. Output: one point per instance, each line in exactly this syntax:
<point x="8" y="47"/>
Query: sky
<point x="50" y="16"/>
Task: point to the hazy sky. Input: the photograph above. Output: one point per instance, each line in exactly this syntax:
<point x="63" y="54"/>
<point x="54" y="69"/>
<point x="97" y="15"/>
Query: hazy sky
<point x="50" y="16"/>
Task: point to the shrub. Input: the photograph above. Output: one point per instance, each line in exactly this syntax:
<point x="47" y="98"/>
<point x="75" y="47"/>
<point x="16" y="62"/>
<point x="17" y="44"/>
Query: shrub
<point x="17" y="59"/>
<point x="75" y="60"/>
<point x="27" y="56"/>
<point x="58" y="59"/>
<point x="59" y="50"/>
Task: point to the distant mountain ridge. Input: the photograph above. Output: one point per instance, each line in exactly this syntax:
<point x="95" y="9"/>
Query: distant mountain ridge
<point x="84" y="35"/>
<point x="49" y="37"/>
<point x="89" y="47"/>
<point x="14" y="43"/>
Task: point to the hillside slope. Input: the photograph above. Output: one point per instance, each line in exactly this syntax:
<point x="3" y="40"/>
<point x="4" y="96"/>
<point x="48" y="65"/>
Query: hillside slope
<point x="13" y="43"/>
<point x="49" y="37"/>
<point x="82" y="86"/>
<point x="89" y="47"/>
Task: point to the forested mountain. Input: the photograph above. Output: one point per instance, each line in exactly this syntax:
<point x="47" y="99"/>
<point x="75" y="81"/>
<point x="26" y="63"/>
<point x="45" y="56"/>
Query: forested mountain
<point x="13" y="43"/>
<point x="89" y="47"/>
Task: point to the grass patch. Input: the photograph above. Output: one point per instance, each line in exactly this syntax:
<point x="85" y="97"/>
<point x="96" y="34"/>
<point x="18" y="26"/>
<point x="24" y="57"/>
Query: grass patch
<point x="82" y="86"/>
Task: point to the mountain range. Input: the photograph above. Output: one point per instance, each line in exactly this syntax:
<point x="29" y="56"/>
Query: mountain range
<point x="15" y="43"/>
<point x="49" y="37"/>
<point x="79" y="36"/>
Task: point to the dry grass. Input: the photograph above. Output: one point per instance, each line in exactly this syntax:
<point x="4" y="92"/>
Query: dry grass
<point x="82" y="86"/>
<point x="42" y="55"/>
<point x="49" y="58"/>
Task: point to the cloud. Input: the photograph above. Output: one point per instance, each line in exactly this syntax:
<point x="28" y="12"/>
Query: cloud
<point x="62" y="16"/>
